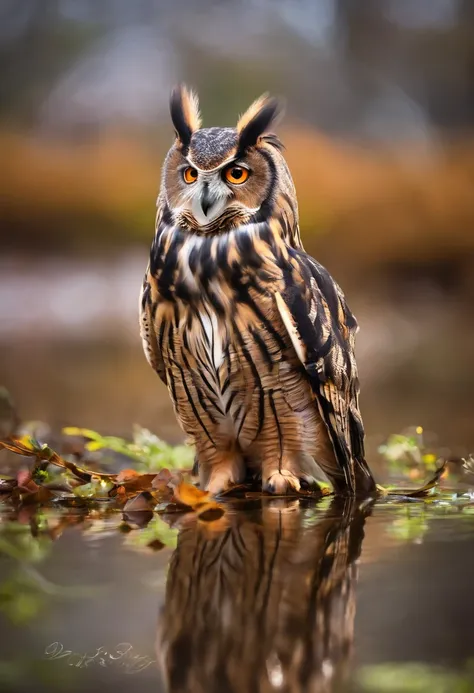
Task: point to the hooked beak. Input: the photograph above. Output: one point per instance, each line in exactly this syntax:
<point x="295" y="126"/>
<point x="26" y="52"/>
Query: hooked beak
<point x="207" y="206"/>
<point x="207" y="201"/>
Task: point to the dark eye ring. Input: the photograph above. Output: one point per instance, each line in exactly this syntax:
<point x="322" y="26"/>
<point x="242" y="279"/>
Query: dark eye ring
<point x="236" y="174"/>
<point x="190" y="175"/>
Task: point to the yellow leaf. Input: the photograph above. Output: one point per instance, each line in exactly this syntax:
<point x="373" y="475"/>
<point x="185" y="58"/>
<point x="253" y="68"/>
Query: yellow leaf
<point x="26" y="441"/>
<point x="75" y="431"/>
<point x="93" y="445"/>
<point x="189" y="495"/>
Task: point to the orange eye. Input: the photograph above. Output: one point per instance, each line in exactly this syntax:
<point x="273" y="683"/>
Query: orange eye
<point x="190" y="174"/>
<point x="236" y="174"/>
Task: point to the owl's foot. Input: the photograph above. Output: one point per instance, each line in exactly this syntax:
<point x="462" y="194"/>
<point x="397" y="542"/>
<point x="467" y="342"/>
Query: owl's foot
<point x="219" y="476"/>
<point x="281" y="482"/>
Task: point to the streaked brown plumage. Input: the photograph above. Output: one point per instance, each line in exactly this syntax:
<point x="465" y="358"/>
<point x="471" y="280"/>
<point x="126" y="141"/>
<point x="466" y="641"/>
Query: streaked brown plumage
<point x="252" y="336"/>
<point x="267" y="604"/>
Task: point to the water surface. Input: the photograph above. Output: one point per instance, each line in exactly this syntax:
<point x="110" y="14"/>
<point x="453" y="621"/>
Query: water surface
<point x="277" y="596"/>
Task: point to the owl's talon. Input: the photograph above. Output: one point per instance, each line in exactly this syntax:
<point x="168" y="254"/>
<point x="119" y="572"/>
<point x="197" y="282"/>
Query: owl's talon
<point x="223" y="475"/>
<point x="281" y="483"/>
<point x="218" y="484"/>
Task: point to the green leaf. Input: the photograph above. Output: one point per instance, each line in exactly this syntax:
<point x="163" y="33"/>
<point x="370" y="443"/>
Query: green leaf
<point x="96" y="488"/>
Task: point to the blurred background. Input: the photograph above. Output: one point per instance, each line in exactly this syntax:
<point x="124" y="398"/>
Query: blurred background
<point x="379" y="132"/>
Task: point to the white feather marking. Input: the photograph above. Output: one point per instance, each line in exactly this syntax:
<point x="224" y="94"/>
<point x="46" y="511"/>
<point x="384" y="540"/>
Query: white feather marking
<point x="188" y="277"/>
<point x="214" y="345"/>
<point x="314" y="306"/>
<point x="290" y="326"/>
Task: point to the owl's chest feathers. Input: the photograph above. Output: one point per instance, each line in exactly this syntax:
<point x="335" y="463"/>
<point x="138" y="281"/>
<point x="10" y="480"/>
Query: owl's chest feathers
<point x="213" y="275"/>
<point x="219" y="290"/>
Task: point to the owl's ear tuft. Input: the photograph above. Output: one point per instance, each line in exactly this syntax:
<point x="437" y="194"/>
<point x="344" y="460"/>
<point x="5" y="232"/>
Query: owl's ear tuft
<point x="184" y="109"/>
<point x="256" y="120"/>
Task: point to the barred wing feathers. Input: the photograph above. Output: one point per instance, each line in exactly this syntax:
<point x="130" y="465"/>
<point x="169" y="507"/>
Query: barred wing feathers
<point x="150" y="340"/>
<point x="322" y="330"/>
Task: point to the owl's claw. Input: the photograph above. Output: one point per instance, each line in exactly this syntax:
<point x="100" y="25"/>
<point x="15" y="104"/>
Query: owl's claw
<point x="281" y="482"/>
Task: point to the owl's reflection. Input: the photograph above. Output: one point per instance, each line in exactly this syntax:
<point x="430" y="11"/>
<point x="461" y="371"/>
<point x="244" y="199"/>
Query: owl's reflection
<point x="267" y="604"/>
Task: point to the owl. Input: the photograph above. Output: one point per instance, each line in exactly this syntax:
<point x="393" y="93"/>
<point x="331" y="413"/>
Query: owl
<point x="253" y="338"/>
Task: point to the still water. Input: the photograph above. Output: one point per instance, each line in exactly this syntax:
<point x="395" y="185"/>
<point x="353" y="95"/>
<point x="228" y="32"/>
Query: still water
<point x="291" y="595"/>
<point x="281" y="596"/>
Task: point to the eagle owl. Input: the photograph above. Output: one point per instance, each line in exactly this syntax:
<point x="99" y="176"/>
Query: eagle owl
<point x="252" y="336"/>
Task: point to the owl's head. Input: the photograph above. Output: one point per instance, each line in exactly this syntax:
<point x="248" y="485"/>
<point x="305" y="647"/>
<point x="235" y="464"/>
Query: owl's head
<point x="215" y="179"/>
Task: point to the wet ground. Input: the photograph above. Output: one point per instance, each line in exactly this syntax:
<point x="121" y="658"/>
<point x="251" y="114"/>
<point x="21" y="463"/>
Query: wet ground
<point x="281" y="596"/>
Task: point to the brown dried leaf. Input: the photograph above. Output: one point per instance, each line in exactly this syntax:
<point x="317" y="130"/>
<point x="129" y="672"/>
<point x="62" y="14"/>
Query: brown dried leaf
<point x="25" y="482"/>
<point x="23" y="477"/>
<point x="29" y="487"/>
<point x="18" y="446"/>
<point x="24" y="446"/>
<point x="127" y="475"/>
<point x="142" y="501"/>
<point x="140" y="482"/>
<point x="140" y="518"/>
<point x="162" y="478"/>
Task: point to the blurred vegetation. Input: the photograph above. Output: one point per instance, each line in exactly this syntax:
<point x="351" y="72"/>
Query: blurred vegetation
<point x="383" y="204"/>
<point x="414" y="678"/>
<point x="407" y="455"/>
<point x="148" y="452"/>
<point x="379" y="132"/>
